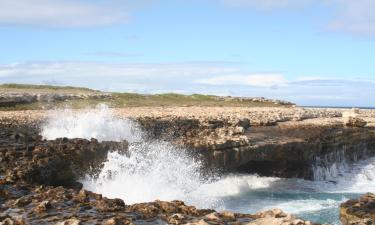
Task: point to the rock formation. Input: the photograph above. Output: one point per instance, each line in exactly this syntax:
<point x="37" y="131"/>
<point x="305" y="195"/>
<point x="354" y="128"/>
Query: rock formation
<point x="38" y="186"/>
<point x="358" y="211"/>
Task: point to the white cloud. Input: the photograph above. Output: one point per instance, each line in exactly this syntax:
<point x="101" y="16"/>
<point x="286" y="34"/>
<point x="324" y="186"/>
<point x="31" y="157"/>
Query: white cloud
<point x="195" y="77"/>
<point x="259" y="80"/>
<point x="62" y="13"/>
<point x="351" y="16"/>
<point x="354" y="16"/>
<point x="114" y="54"/>
<point x="119" y="76"/>
<point x="265" y="4"/>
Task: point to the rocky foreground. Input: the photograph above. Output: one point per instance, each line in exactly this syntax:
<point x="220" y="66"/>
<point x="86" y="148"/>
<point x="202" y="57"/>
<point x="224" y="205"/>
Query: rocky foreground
<point x="39" y="178"/>
<point x="38" y="185"/>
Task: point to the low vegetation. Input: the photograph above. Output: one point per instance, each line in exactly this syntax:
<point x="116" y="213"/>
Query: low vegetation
<point x="78" y="97"/>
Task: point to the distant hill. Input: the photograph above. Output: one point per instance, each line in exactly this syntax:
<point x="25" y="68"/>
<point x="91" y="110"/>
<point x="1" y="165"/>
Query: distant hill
<point x="24" y="96"/>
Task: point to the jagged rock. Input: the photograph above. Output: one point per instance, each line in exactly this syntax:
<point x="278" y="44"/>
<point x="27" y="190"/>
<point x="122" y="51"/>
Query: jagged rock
<point x="277" y="217"/>
<point x="70" y="222"/>
<point x="355" y="122"/>
<point x="176" y="219"/>
<point x="358" y="211"/>
<point x="13" y="221"/>
<point x="110" y="205"/>
<point x="25" y="156"/>
<point x="43" y="207"/>
<point x="117" y="221"/>
<point x="200" y="222"/>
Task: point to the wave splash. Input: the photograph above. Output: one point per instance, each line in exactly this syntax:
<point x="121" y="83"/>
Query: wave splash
<point x="96" y="123"/>
<point x="158" y="170"/>
<point x="152" y="169"/>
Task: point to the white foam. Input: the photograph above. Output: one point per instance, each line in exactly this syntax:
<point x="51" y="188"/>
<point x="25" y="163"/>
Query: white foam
<point x="153" y="169"/>
<point x="232" y="185"/>
<point x="96" y="123"/>
<point x="307" y="205"/>
<point x="158" y="170"/>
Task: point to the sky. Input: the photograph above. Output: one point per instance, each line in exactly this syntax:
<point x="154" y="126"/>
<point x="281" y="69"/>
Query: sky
<point x="311" y="52"/>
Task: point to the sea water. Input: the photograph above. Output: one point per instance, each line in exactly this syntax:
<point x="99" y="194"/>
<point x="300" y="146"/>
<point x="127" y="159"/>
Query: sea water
<point x="158" y="170"/>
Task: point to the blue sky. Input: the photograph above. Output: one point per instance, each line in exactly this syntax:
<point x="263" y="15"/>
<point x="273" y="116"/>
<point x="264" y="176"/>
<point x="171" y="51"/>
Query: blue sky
<point x="312" y="52"/>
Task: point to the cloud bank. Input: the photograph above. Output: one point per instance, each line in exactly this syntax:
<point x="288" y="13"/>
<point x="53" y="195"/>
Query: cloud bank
<point x="61" y="13"/>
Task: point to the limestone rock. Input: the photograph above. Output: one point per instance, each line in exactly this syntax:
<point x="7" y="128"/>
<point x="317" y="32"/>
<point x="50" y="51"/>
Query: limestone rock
<point x="358" y="211"/>
<point x="69" y="222"/>
<point x="43" y="207"/>
<point x="355" y="122"/>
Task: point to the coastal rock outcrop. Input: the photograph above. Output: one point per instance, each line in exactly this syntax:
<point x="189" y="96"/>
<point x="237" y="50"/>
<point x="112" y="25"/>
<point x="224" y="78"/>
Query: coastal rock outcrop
<point x="287" y="149"/>
<point x="359" y="211"/>
<point x="355" y="122"/>
<point x="38" y="186"/>
<point x="58" y="205"/>
<point x="25" y="156"/>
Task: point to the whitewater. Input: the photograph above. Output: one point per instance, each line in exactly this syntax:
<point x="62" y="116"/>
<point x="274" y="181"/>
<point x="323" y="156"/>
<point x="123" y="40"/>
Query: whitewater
<point x="156" y="169"/>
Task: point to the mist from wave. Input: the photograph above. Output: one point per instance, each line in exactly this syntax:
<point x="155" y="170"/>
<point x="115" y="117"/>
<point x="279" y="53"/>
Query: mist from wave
<point x="159" y="170"/>
<point x="153" y="169"/>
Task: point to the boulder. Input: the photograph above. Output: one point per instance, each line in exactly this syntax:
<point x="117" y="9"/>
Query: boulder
<point x="358" y="211"/>
<point x="355" y="122"/>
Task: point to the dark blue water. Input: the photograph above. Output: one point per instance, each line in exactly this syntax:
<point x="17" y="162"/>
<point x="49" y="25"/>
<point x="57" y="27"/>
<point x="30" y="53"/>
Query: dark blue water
<point x="317" y="201"/>
<point x="319" y="207"/>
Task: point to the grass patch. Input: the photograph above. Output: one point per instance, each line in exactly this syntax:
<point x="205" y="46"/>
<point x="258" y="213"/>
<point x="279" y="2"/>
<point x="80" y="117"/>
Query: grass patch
<point x="10" y="87"/>
<point x="121" y="100"/>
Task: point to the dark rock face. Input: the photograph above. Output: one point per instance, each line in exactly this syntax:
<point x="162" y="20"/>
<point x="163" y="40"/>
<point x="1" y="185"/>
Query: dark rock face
<point x="38" y="186"/>
<point x="26" y="157"/>
<point x="359" y="211"/>
<point x="283" y="150"/>
<point x="294" y="152"/>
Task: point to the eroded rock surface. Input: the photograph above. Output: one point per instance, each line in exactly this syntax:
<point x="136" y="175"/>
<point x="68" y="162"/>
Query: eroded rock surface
<point x="38" y="186"/>
<point x="24" y="156"/>
<point x="358" y="211"/>
<point x="276" y="141"/>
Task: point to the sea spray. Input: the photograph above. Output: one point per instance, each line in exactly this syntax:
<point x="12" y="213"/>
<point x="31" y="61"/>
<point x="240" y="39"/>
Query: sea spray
<point x="99" y="123"/>
<point x="153" y="169"/>
<point x="159" y="170"/>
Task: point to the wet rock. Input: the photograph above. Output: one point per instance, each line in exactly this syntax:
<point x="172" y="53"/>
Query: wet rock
<point x="200" y="222"/>
<point x="176" y="219"/>
<point x="72" y="221"/>
<point x="23" y="201"/>
<point x="43" y="207"/>
<point x="213" y="217"/>
<point x="110" y="205"/>
<point x="277" y="217"/>
<point x="358" y="211"/>
<point x="14" y="220"/>
<point x="117" y="221"/>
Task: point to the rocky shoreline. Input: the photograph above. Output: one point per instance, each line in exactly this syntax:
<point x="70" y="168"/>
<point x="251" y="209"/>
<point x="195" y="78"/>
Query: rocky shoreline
<point x="38" y="185"/>
<point x="39" y="178"/>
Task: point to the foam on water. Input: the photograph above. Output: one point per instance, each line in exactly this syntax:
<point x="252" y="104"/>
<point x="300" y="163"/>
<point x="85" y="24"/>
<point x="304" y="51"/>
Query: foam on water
<point x="152" y="169"/>
<point x="158" y="170"/>
<point x="307" y="205"/>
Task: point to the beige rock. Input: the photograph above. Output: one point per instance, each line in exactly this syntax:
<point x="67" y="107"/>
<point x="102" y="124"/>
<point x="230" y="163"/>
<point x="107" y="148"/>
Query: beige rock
<point x="200" y="222"/>
<point x="71" y="221"/>
<point x="355" y="122"/>
<point x="213" y="217"/>
<point x="228" y="216"/>
<point x="42" y="207"/>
